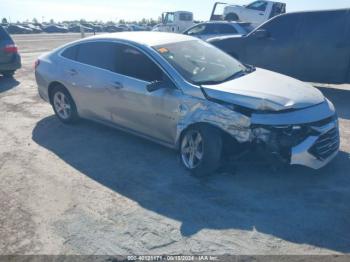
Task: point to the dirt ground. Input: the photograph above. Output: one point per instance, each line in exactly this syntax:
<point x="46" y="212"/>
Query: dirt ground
<point x="89" y="189"/>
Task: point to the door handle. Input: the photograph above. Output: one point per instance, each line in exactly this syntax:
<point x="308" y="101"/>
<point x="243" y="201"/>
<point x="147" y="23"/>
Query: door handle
<point x="117" y="85"/>
<point x="73" y="72"/>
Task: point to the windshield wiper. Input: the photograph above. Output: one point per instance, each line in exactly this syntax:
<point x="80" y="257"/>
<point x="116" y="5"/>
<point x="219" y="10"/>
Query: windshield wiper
<point x="249" y="69"/>
<point x="235" y="75"/>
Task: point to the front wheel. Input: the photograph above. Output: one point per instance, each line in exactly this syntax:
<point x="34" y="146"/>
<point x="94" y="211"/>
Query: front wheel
<point x="63" y="105"/>
<point x="201" y="149"/>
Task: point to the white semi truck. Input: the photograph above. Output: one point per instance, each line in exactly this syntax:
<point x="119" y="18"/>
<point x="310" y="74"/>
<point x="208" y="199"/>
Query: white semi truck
<point x="255" y="13"/>
<point x="175" y="22"/>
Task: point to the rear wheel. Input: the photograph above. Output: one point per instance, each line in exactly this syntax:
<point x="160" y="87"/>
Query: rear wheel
<point x="8" y="74"/>
<point x="231" y="17"/>
<point x="201" y="149"/>
<point x="64" y="105"/>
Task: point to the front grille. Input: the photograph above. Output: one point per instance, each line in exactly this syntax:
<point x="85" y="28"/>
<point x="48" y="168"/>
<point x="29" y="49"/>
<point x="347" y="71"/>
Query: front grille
<point x="326" y="145"/>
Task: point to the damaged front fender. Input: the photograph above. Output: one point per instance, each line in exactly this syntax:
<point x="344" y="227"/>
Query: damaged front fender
<point x="231" y="122"/>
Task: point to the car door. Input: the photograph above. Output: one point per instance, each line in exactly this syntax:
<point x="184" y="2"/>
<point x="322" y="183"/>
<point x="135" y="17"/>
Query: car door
<point x="154" y="114"/>
<point x="323" y="46"/>
<point x="255" y="12"/>
<point x="89" y="72"/>
<point x="276" y="50"/>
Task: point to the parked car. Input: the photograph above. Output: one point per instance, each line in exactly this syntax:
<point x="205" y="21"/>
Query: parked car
<point x="55" y="29"/>
<point x="35" y="29"/>
<point x="209" y="30"/>
<point x="186" y="94"/>
<point x="113" y="29"/>
<point x="10" y="59"/>
<point x="77" y="28"/>
<point x="18" y="29"/>
<point x="124" y="27"/>
<point x="93" y="27"/>
<point x="256" y="12"/>
<point x="312" y="46"/>
<point x="137" y="28"/>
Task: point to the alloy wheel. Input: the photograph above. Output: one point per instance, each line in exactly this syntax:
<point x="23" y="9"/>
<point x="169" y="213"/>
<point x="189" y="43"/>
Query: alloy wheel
<point x="62" y="105"/>
<point x="192" y="149"/>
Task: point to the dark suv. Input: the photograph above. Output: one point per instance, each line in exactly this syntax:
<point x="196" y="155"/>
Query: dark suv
<point x="10" y="60"/>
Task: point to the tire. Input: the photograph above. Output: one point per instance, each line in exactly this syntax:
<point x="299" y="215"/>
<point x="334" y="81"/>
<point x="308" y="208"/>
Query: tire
<point x="64" y="105"/>
<point x="8" y="74"/>
<point x="231" y="17"/>
<point x="206" y="155"/>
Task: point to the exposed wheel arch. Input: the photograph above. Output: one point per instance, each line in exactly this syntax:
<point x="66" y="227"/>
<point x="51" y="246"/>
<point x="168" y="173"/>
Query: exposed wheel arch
<point x="52" y="86"/>
<point x="58" y="88"/>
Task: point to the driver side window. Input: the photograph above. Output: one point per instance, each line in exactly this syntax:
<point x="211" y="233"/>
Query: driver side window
<point x="169" y="19"/>
<point x="258" y="5"/>
<point x="134" y="63"/>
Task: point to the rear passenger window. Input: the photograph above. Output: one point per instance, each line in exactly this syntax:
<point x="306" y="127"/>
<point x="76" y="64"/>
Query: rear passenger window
<point x="99" y="54"/>
<point x="135" y="64"/>
<point x="70" y="52"/>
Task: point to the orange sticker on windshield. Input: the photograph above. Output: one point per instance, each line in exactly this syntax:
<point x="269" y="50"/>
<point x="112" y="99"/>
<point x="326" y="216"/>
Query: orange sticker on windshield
<point x="163" y="50"/>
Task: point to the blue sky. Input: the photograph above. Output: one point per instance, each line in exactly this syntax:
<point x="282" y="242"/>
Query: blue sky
<point x="114" y="10"/>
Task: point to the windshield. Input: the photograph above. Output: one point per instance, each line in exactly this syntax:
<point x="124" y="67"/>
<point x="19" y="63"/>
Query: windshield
<point x="201" y="63"/>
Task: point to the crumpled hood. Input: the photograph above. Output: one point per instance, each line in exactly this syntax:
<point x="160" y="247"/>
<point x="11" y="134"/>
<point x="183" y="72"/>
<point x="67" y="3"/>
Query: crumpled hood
<point x="266" y="91"/>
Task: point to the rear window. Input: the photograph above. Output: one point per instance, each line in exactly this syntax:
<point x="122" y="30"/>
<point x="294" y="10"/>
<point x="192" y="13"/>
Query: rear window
<point x="71" y="52"/>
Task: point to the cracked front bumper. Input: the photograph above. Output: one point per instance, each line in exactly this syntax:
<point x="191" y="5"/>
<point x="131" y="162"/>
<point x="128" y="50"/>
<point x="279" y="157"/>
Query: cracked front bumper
<point x="317" y="151"/>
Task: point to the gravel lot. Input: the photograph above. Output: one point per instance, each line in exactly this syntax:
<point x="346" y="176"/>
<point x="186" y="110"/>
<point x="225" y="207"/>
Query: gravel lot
<point x="89" y="189"/>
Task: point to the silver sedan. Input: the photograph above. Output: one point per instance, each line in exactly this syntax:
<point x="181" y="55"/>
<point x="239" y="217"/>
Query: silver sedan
<point x="186" y="94"/>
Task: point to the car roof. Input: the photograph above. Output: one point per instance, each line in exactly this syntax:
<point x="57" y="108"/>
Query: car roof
<point x="145" y="38"/>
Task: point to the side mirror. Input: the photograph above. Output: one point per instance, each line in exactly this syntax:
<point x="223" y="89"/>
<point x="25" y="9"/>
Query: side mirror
<point x="261" y="33"/>
<point x="155" y="85"/>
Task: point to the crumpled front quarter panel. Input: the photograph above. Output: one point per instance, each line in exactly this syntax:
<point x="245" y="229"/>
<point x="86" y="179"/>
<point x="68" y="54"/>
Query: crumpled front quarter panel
<point x="204" y="111"/>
